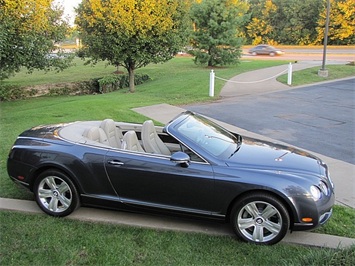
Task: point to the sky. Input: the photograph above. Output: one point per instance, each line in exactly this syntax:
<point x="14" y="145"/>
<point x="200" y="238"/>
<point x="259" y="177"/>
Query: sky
<point x="69" y="8"/>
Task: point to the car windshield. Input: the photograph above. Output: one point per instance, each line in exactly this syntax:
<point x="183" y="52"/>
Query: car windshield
<point x="209" y="136"/>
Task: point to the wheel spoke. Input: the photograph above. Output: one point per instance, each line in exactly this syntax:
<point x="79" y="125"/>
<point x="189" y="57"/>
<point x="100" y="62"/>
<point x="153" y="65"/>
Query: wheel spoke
<point x="44" y="193"/>
<point x="64" y="201"/>
<point x="252" y="209"/>
<point x="53" y="204"/>
<point x="62" y="188"/>
<point x="50" y="181"/>
<point x="272" y="227"/>
<point x="268" y="212"/>
<point x="258" y="234"/>
<point x="245" y="223"/>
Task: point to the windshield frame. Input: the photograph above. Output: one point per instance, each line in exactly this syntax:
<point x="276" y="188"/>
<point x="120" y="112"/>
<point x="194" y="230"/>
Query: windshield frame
<point x="205" y="135"/>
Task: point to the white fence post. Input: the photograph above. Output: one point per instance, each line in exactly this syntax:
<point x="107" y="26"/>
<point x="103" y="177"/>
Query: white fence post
<point x="289" y="76"/>
<point x="211" y="94"/>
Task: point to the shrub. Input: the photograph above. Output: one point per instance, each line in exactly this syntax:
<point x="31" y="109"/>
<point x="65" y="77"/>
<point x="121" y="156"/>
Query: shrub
<point x="11" y="92"/>
<point x="97" y="85"/>
<point x="116" y="82"/>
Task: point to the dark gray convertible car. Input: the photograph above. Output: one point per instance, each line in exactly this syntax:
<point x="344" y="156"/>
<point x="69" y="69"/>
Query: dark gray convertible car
<point x="190" y="167"/>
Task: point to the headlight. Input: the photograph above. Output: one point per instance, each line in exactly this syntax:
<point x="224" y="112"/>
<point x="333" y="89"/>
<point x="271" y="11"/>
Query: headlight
<point x="316" y="193"/>
<point x="324" y="188"/>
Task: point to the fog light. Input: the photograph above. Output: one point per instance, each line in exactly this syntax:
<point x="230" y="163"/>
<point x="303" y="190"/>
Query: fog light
<point x="307" y="220"/>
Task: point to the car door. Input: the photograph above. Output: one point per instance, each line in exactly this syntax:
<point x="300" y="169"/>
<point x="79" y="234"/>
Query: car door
<point x="264" y="50"/>
<point x="154" y="181"/>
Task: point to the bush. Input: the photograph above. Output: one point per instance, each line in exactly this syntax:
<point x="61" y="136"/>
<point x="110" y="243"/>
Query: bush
<point x="11" y="92"/>
<point x="116" y="82"/>
<point x="97" y="85"/>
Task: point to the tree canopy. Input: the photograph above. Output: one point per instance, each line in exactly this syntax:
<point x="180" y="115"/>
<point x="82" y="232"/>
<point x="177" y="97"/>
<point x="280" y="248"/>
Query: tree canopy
<point x="215" y="37"/>
<point x="132" y="33"/>
<point x="341" y="23"/>
<point x="300" y="22"/>
<point x="29" y="30"/>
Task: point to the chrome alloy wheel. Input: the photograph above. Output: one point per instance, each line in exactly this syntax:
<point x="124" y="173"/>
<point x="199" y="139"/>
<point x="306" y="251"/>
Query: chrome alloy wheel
<point x="259" y="221"/>
<point x="55" y="194"/>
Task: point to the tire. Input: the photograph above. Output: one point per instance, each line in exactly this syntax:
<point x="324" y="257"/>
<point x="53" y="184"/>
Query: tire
<point x="260" y="219"/>
<point x="254" y="53"/>
<point x="272" y="54"/>
<point x="55" y="193"/>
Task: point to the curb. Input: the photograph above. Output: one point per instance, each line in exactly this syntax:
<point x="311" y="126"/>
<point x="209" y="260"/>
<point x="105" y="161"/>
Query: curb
<point x="174" y="224"/>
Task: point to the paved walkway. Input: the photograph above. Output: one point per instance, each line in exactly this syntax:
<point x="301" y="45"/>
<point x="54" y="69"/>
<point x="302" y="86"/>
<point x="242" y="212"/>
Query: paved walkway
<point x="163" y="113"/>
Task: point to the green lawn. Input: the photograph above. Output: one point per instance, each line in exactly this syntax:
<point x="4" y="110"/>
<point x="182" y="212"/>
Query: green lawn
<point x="310" y="75"/>
<point x="43" y="240"/>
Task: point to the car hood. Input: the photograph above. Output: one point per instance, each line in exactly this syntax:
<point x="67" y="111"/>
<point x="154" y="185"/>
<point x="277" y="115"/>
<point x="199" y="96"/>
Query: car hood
<point x="264" y="155"/>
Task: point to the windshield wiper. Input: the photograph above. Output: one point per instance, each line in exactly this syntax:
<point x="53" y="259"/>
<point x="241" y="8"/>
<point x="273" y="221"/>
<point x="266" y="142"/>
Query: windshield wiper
<point x="214" y="137"/>
<point x="237" y="149"/>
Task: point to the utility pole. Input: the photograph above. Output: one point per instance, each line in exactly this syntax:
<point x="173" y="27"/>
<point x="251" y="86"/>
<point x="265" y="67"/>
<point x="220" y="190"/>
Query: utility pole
<point x="324" y="72"/>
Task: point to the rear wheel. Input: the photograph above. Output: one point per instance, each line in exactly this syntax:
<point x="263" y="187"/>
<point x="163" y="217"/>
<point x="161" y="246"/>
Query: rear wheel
<point x="260" y="219"/>
<point x="55" y="193"/>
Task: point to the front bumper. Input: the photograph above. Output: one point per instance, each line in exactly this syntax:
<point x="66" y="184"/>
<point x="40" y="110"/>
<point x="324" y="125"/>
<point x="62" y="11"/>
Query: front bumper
<point x="320" y="212"/>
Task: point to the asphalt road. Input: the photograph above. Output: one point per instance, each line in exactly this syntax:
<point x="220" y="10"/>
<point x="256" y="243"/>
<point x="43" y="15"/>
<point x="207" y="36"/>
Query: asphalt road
<point x="306" y="53"/>
<point x="318" y="118"/>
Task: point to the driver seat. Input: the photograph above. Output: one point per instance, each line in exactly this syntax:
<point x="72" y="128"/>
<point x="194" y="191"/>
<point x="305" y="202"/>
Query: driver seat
<point x="151" y="141"/>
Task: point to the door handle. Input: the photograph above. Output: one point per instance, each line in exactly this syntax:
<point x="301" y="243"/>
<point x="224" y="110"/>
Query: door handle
<point x="114" y="162"/>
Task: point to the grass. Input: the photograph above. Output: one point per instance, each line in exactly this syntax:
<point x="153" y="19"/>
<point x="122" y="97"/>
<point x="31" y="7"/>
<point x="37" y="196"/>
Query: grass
<point x="42" y="240"/>
<point x="310" y="75"/>
<point x="68" y="242"/>
<point x="78" y="72"/>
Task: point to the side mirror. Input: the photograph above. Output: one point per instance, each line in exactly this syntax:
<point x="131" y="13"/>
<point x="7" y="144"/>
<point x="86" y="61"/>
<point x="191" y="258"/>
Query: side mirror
<point x="180" y="158"/>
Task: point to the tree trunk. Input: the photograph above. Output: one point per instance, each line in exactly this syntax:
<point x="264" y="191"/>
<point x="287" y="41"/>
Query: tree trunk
<point x="131" y="79"/>
<point x="210" y="63"/>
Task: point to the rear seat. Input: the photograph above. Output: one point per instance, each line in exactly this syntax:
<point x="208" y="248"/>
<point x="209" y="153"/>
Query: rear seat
<point x="114" y="135"/>
<point x="96" y="134"/>
<point x="131" y="142"/>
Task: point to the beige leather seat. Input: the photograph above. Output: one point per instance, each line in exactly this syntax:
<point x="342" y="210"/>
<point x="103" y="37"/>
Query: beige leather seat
<point x="114" y="135"/>
<point x="96" y="134"/>
<point x="151" y="141"/>
<point x="131" y="142"/>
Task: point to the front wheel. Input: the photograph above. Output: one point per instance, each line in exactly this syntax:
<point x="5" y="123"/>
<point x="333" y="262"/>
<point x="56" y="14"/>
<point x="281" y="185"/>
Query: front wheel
<point x="260" y="219"/>
<point x="55" y="193"/>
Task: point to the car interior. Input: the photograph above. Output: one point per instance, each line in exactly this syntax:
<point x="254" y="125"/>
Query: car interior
<point x="141" y="138"/>
<point x="146" y="138"/>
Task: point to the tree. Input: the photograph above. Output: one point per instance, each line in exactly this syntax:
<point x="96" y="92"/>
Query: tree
<point x="295" y="21"/>
<point x="132" y="33"/>
<point x="260" y="27"/>
<point x="29" y="30"/>
<point x="341" y="23"/>
<point x="215" y="37"/>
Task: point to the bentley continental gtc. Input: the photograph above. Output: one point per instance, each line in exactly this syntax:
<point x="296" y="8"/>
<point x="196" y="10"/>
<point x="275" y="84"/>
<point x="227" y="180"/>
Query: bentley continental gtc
<point x="191" y="167"/>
